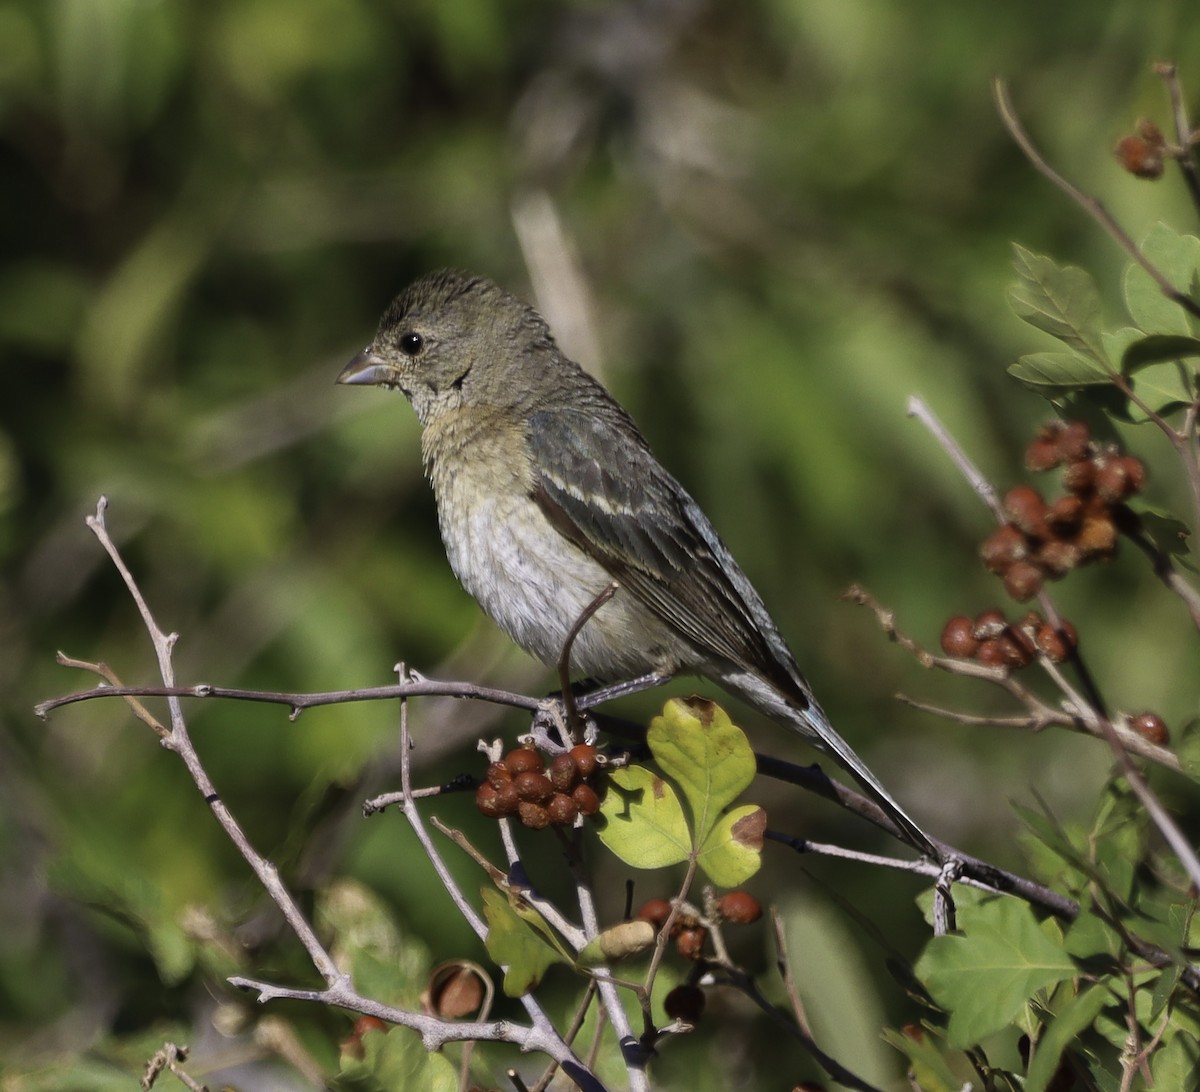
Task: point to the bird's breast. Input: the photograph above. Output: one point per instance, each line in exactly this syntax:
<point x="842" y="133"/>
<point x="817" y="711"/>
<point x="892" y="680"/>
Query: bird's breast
<point x="531" y="581"/>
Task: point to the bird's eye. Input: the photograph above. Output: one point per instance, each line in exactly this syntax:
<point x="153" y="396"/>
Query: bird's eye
<point x="411" y="343"/>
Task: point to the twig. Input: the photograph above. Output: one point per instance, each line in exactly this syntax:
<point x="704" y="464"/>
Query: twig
<point x="1184" y="137"/>
<point x="1091" y="205"/>
<point x="564" y="659"/>
<point x="918" y="409"/>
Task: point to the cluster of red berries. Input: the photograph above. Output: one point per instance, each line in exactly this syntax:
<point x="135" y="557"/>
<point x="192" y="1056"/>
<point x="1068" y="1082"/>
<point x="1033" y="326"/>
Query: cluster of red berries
<point x="686" y="1002"/>
<point x="737" y="907"/>
<point x="1044" y="540"/>
<point x="993" y="640"/>
<point x="1143" y="153"/>
<point x="521" y="785"/>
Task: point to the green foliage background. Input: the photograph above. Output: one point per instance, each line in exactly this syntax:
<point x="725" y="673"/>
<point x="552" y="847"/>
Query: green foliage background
<point x="788" y="215"/>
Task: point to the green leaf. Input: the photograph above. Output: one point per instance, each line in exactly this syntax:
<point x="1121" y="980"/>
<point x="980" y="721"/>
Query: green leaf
<point x="1074" y="1018"/>
<point x="705" y="753"/>
<point x="930" y="1070"/>
<point x="1053" y="372"/>
<point x="395" y="1059"/>
<point x="1177" y="257"/>
<point x="644" y="823"/>
<point x="514" y="944"/>
<point x="732" y="851"/>
<point x="1062" y="300"/>
<point x="1157" y="349"/>
<point x="1089" y="936"/>
<point x="1176" y="1064"/>
<point x="984" y="977"/>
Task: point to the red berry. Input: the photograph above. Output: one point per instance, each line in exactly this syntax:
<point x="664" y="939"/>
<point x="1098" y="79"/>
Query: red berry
<point x="1073" y="441"/>
<point x="1097" y="537"/>
<point x="1150" y="727"/>
<point x="1002" y="548"/>
<point x="584" y="755"/>
<point x="1065" y="512"/>
<point x="690" y="942"/>
<point x="563" y="772"/>
<point x="498" y="774"/>
<point x="991" y="653"/>
<point x="562" y="810"/>
<point x="507" y="799"/>
<point x="1025" y="508"/>
<point x="684" y="1003"/>
<point x="990" y="623"/>
<point x="534" y="816"/>
<point x="1079" y="476"/>
<point x="1056" y="557"/>
<point x="1135" y="471"/>
<point x="739" y="907"/>
<point x="1023" y="581"/>
<point x="1056" y="644"/>
<point x="1142" y="158"/>
<point x="523" y="759"/>
<point x="1112" y="480"/>
<point x="1042" y="454"/>
<point x="958" y="638"/>
<point x="486" y="802"/>
<point x="534" y="787"/>
<point x="655" y="911"/>
<point x="587" y="800"/>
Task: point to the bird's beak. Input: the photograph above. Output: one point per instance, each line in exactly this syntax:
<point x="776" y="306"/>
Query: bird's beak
<point x="367" y="369"/>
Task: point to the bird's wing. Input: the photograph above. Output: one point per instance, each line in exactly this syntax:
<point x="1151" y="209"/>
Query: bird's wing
<point x="600" y="486"/>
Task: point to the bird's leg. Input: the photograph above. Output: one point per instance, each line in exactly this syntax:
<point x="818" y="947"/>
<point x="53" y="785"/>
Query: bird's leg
<point x="564" y="659"/>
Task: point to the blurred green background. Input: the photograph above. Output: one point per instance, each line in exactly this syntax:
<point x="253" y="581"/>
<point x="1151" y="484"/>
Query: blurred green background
<point x="763" y="224"/>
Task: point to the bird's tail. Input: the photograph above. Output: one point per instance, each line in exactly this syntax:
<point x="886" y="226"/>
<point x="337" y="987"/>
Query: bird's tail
<point x="812" y="723"/>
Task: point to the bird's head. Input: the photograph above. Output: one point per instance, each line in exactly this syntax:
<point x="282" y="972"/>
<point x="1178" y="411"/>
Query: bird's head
<point x="452" y="340"/>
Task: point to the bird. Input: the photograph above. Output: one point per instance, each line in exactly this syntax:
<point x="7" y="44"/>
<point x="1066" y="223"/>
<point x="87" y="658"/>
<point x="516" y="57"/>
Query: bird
<point x="547" y="492"/>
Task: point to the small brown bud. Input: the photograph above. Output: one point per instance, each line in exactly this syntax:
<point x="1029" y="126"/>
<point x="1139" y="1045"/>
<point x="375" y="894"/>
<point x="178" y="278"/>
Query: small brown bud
<point x="992" y="652"/>
<point x="958" y="638"/>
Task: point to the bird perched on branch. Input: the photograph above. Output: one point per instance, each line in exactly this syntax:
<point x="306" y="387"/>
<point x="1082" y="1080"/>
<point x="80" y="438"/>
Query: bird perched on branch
<point x="547" y="492"/>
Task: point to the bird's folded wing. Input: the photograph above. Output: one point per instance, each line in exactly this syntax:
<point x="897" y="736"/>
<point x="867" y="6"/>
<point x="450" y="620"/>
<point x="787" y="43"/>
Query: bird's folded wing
<point x="600" y="486"/>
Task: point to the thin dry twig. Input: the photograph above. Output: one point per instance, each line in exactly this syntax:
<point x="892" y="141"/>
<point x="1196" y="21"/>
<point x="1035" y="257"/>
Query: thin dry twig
<point x="1185" y="139"/>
